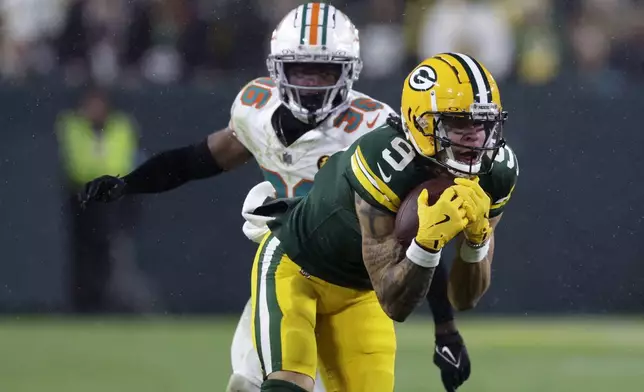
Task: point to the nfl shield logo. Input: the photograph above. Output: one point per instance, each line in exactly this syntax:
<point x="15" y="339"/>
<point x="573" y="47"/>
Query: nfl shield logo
<point x="287" y="158"/>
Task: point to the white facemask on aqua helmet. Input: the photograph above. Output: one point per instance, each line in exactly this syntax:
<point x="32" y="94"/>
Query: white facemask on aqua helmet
<point x="315" y="33"/>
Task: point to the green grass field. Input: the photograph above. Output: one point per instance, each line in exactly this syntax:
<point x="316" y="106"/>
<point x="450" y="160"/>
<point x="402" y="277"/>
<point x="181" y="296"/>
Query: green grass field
<point x="168" y="355"/>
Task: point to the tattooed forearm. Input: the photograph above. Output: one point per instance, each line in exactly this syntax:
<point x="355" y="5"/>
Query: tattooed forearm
<point x="399" y="284"/>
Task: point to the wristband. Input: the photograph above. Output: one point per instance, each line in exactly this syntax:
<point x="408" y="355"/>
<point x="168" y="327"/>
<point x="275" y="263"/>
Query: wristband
<point x="424" y="258"/>
<point x="474" y="253"/>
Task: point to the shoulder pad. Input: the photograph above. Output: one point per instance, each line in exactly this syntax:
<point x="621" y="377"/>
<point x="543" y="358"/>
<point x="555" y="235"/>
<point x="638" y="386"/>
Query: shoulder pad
<point x="250" y="102"/>
<point x="256" y="94"/>
<point x="499" y="183"/>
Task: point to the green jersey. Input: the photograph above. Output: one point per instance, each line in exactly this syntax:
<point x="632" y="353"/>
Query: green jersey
<point x="320" y="231"/>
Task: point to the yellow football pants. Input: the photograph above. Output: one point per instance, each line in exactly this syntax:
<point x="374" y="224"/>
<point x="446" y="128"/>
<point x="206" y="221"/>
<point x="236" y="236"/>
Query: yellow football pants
<point x="298" y="318"/>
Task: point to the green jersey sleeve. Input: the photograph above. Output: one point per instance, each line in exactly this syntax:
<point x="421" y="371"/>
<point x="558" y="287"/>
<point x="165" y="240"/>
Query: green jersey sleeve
<point x="382" y="168"/>
<point x="499" y="183"/>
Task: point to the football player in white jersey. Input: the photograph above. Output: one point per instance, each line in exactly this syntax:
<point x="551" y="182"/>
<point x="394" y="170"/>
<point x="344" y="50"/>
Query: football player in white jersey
<point x="290" y="123"/>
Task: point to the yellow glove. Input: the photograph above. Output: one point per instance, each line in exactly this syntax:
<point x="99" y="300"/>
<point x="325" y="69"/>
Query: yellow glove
<point x="439" y="223"/>
<point x="477" y="208"/>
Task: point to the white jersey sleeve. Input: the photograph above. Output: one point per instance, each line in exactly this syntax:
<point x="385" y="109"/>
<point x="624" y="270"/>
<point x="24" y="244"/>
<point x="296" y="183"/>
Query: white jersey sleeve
<point x="251" y="111"/>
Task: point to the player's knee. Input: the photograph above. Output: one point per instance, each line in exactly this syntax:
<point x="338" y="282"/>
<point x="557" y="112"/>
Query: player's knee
<point x="284" y="381"/>
<point x="241" y="383"/>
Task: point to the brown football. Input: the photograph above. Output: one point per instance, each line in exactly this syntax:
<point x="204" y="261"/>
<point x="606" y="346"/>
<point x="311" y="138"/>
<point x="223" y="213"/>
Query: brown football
<point x="407" y="216"/>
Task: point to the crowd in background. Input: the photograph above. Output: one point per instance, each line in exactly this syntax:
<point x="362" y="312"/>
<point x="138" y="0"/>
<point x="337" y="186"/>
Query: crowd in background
<point x="170" y="41"/>
<point x="116" y="45"/>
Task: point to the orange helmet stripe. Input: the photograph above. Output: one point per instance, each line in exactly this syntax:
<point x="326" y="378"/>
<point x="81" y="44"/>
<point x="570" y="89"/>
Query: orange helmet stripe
<point x="315" y="20"/>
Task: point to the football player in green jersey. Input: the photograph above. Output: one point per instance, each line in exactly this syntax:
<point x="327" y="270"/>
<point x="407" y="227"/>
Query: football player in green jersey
<point x="331" y="275"/>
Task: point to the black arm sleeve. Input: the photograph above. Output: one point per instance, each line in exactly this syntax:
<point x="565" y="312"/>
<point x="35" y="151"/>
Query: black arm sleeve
<point x="171" y="169"/>
<point x="437" y="297"/>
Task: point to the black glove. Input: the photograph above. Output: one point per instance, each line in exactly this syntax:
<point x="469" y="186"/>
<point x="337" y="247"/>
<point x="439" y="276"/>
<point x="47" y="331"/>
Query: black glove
<point x="450" y="355"/>
<point x="104" y="189"/>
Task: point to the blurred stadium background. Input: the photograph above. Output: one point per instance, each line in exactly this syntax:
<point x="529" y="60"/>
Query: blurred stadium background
<point x="564" y="311"/>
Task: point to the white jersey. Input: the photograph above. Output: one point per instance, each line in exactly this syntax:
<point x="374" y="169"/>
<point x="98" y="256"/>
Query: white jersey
<point x="291" y="169"/>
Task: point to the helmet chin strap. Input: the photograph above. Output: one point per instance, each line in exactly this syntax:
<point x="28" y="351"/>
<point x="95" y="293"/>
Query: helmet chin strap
<point x="460" y="169"/>
<point x="310" y="118"/>
<point x="450" y="161"/>
<point x="302" y="114"/>
<point x="305" y="118"/>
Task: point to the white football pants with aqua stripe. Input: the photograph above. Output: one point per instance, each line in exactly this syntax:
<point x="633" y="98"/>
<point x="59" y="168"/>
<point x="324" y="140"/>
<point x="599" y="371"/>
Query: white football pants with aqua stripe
<point x="244" y="358"/>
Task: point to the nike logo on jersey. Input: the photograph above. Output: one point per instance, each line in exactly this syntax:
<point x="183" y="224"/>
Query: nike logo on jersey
<point x="446" y="219"/>
<point x="385" y="177"/>
<point x="370" y="124"/>
<point x="447" y="355"/>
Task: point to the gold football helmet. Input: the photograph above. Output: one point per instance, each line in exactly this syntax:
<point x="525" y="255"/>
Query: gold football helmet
<point x="444" y="98"/>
